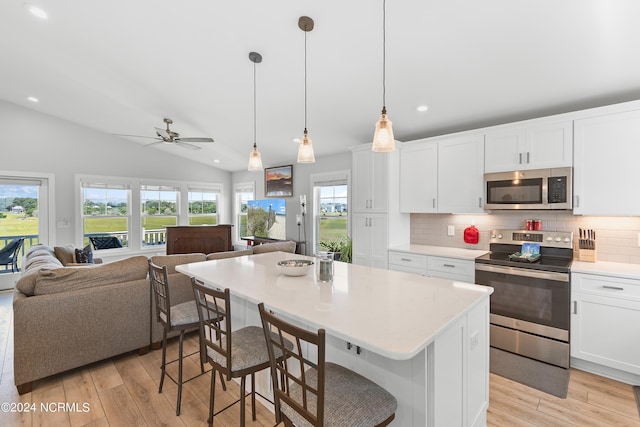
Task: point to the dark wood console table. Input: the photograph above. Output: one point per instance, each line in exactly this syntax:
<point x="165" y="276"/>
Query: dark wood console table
<point x="199" y="239"/>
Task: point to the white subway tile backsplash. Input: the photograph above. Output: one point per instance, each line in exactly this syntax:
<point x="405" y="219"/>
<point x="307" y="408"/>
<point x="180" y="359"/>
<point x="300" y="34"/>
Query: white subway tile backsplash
<point x="617" y="237"/>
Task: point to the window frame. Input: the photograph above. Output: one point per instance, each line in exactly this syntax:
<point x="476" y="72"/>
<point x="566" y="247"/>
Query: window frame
<point x="327" y="179"/>
<point x="240" y="187"/>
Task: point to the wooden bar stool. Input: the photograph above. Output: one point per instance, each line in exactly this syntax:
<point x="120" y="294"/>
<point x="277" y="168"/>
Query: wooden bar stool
<point x="309" y="393"/>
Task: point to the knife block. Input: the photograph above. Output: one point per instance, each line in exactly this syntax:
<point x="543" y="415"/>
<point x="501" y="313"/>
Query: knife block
<point x="587" y="255"/>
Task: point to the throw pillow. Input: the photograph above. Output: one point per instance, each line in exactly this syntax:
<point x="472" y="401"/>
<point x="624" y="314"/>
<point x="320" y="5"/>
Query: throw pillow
<point x="65" y="254"/>
<point x="84" y="255"/>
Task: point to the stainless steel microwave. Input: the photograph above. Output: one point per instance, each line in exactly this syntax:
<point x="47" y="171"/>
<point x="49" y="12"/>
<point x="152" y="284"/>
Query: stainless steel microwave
<point x="530" y="189"/>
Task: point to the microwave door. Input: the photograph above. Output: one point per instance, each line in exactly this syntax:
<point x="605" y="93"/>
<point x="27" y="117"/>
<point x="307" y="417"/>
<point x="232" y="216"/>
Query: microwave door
<point x="516" y="193"/>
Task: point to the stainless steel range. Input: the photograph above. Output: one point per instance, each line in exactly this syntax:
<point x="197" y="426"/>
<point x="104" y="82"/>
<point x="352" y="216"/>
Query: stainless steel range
<point x="530" y="307"/>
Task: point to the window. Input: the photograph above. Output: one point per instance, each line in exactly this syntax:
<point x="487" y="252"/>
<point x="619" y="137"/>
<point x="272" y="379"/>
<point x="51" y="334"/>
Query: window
<point x="203" y="206"/>
<point x="330" y="208"/>
<point x="159" y="209"/>
<point x="243" y="193"/>
<point x="105" y="210"/>
<point x="23" y="212"/>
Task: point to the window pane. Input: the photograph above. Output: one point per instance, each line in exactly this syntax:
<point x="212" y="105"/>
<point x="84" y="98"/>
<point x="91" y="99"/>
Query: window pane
<point x="203" y="208"/>
<point x="19" y="217"/>
<point x="332" y="213"/>
<point x="105" y="211"/>
<point x="159" y="207"/>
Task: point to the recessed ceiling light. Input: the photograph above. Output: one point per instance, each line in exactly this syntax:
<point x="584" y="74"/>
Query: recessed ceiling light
<point x="36" y="11"/>
<point x="216" y="161"/>
<point x="33" y="99"/>
<point x="422" y="108"/>
<point x="296" y="140"/>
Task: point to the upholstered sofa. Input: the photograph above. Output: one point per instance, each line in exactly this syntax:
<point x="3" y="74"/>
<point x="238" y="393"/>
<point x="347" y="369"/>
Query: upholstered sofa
<point x="68" y="315"/>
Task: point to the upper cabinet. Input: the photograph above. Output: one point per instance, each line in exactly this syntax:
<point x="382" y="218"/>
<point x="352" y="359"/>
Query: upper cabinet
<point x="529" y="146"/>
<point x="442" y="175"/>
<point x="371" y="173"/>
<point x="607" y="149"/>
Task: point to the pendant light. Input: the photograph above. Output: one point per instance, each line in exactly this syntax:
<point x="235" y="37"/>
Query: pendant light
<point x="255" y="161"/>
<point x="383" y="140"/>
<point x="305" y="149"/>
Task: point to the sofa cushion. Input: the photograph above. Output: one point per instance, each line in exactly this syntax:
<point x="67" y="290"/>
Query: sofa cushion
<point x="27" y="281"/>
<point x="74" y="278"/>
<point x="229" y="254"/>
<point x="84" y="255"/>
<point x="176" y="259"/>
<point x="287" y="246"/>
<point x="65" y="254"/>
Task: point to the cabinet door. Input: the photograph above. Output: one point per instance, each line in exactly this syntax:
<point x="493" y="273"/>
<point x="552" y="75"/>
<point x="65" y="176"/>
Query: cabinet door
<point x="460" y="174"/>
<point x="419" y="177"/>
<point x="503" y="150"/>
<point x="370" y="178"/>
<point x="549" y="145"/>
<point x="379" y="228"/>
<point x="361" y="238"/>
<point x="606" y="153"/>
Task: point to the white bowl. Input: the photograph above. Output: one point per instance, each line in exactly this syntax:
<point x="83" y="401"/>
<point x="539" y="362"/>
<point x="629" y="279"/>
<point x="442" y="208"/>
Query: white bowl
<point x="294" y="267"/>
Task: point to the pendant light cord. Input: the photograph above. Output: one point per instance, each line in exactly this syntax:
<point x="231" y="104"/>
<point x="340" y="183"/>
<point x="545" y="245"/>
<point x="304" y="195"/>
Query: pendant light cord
<point x="384" y="56"/>
<point x="254" y="106"/>
<point x="305" y="81"/>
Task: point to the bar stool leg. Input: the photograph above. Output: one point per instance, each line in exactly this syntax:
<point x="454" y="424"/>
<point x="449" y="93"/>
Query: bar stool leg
<point x="242" y="400"/>
<point x="164" y="359"/>
<point x="212" y="396"/>
<point x="179" y="373"/>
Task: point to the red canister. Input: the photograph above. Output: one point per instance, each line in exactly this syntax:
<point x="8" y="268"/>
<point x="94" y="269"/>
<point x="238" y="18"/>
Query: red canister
<point x="537" y="224"/>
<point x="529" y="224"/>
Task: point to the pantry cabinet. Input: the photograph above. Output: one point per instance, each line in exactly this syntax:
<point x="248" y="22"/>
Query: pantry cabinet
<point x="529" y="145"/>
<point x="605" y="322"/>
<point x="369" y="233"/>
<point x="607" y="149"/>
<point x="442" y="175"/>
<point x="370" y="172"/>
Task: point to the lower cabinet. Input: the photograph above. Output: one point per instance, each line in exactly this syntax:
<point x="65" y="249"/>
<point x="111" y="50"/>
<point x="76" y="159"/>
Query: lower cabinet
<point x="605" y="324"/>
<point x="433" y="266"/>
<point x="369" y="234"/>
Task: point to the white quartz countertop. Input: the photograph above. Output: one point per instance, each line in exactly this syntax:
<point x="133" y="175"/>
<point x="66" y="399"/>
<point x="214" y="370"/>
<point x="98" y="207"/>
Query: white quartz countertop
<point x="444" y="251"/>
<point x="392" y="313"/>
<point x="619" y="269"/>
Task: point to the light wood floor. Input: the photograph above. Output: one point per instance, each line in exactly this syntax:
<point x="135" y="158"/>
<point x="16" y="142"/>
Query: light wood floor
<point x="123" y="391"/>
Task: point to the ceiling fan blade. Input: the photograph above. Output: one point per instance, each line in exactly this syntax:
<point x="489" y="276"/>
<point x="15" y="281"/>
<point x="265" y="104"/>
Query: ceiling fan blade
<point x="179" y="143"/>
<point x="163" y="133"/>
<point x="194" y="139"/>
<point x="135" y="136"/>
<point x="159" y="141"/>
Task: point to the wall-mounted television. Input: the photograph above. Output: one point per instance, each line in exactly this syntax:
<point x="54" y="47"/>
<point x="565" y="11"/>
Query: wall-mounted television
<point x="267" y="218"/>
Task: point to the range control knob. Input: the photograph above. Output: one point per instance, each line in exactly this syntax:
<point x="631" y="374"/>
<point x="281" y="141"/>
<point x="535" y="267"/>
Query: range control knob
<point x="558" y="239"/>
<point x="549" y="239"/>
<point x="566" y="240"/>
<point x="500" y="236"/>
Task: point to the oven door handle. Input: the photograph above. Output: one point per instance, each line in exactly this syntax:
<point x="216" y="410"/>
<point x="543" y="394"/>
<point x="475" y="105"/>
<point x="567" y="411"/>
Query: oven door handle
<point x="525" y="272"/>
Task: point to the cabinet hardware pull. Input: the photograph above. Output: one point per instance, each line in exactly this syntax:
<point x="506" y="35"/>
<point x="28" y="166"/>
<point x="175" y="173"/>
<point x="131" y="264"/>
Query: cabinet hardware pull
<point x="577" y="202"/>
<point x="449" y="265"/>
<point x="520" y="158"/>
<point x="479" y="202"/>
<point x="348" y="346"/>
<point x="528" y="157"/>
<point x="358" y="349"/>
<point x="405" y="259"/>
<point x="575" y="307"/>
<point x="433" y="203"/>
<point x="615" y="288"/>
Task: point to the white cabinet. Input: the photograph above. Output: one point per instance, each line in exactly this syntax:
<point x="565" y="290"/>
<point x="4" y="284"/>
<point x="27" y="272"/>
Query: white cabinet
<point x="461" y="270"/>
<point x="442" y="175"/>
<point x="607" y="149"/>
<point x="376" y="221"/>
<point x="369" y="234"/>
<point x="529" y="146"/>
<point x="460" y="174"/>
<point x="419" y="177"/>
<point x="605" y="323"/>
<point x="370" y="172"/>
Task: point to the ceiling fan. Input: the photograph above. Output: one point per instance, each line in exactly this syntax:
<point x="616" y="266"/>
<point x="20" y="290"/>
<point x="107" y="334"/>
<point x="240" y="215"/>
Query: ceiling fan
<point x="167" y="136"/>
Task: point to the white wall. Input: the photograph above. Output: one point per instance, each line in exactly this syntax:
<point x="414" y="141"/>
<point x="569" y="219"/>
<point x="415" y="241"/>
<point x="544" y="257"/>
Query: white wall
<point x="34" y="142"/>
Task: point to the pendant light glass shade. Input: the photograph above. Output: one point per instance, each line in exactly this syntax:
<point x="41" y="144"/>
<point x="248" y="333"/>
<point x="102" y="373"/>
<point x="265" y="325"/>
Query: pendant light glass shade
<point x="255" y="160"/>
<point x="305" y="150"/>
<point x="383" y="140"/>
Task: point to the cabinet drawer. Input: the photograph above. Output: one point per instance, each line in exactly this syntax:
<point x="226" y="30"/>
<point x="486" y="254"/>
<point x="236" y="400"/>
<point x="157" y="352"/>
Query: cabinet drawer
<point x="408" y="269"/>
<point x="453" y="276"/>
<point x="408" y="260"/>
<point x="451" y="266"/>
<point x="615" y="287"/>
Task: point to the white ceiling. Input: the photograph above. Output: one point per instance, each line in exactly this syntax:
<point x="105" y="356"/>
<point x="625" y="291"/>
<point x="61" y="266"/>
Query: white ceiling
<point x="120" y="66"/>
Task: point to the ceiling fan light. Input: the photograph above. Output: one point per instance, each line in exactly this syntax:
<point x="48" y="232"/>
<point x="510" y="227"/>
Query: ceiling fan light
<point x="305" y="150"/>
<point x="383" y="140"/>
<point x="255" y="161"/>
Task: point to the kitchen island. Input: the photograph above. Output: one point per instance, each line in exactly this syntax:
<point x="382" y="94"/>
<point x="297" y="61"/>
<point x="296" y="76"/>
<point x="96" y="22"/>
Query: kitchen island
<point x="423" y="339"/>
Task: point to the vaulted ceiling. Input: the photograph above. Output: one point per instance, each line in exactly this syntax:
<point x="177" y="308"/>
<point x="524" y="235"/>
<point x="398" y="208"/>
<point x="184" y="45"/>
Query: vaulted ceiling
<point x="121" y="66"/>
